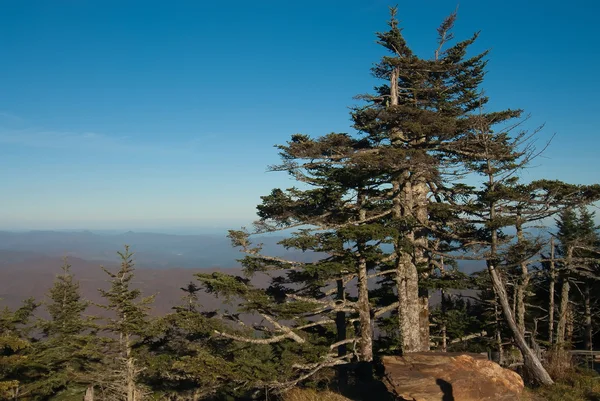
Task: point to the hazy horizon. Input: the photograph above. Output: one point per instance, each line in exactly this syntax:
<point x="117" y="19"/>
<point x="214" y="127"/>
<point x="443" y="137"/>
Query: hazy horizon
<point x="193" y="229"/>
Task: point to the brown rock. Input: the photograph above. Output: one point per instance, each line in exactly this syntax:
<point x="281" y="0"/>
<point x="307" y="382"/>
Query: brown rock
<point x="428" y="376"/>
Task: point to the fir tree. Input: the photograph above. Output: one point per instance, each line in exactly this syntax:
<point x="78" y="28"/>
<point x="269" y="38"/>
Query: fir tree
<point x="67" y="349"/>
<point x="500" y="202"/>
<point x="410" y="122"/>
<point x="184" y="358"/>
<point x="579" y="251"/>
<point x="289" y="345"/>
<point x="15" y="328"/>
<point x="130" y="324"/>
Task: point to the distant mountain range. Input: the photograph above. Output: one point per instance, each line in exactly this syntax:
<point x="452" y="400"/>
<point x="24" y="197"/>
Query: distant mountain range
<point x="151" y="250"/>
<point x="28" y="274"/>
<point x="29" y="261"/>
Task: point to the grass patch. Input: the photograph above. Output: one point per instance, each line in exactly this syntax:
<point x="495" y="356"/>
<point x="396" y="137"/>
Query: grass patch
<point x="307" y="394"/>
<point x="579" y="385"/>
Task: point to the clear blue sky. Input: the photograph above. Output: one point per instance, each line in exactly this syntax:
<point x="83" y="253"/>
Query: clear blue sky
<point x="149" y="114"/>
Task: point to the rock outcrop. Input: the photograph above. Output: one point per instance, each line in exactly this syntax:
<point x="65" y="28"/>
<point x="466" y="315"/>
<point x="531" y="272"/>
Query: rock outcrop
<point x="450" y="377"/>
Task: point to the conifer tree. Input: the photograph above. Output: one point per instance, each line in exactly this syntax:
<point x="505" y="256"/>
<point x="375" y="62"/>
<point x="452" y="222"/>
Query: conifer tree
<point x="67" y="349"/>
<point x="578" y="248"/>
<point x="590" y="253"/>
<point x="500" y="201"/>
<point x="410" y="121"/>
<point x="295" y="346"/>
<point x="15" y="329"/>
<point x="127" y="325"/>
<point x="335" y="217"/>
<point x="185" y="359"/>
<point x="567" y="236"/>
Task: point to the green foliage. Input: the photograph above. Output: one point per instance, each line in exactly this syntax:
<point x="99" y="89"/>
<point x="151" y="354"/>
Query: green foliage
<point x="68" y="347"/>
<point x="126" y="302"/>
<point x="128" y="326"/>
<point x="460" y="319"/>
<point x="370" y="209"/>
<point x="15" y="327"/>
<point x="581" y="385"/>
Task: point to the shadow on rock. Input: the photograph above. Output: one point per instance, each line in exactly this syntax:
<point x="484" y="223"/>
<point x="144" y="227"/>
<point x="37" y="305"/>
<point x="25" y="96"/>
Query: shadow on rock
<point x="446" y="389"/>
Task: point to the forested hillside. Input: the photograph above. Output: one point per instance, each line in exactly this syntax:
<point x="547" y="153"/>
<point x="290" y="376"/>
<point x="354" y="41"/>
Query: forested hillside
<point x="432" y="175"/>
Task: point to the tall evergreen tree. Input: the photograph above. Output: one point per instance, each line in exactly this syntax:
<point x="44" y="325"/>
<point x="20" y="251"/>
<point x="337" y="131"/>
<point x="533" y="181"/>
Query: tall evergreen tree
<point x="500" y="201"/>
<point x="578" y="265"/>
<point x="127" y="325"/>
<point x="409" y="122"/>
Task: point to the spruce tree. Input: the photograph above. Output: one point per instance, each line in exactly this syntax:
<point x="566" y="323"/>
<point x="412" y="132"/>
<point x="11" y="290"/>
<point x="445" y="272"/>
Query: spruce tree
<point x="66" y="351"/>
<point x="497" y="153"/>
<point x="183" y="357"/>
<point x="578" y="248"/>
<point x="127" y="326"/>
<point x="284" y="345"/>
<point x="410" y="121"/>
<point x="15" y="341"/>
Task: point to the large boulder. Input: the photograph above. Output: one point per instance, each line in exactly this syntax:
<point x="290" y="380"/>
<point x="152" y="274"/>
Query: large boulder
<point x="440" y="376"/>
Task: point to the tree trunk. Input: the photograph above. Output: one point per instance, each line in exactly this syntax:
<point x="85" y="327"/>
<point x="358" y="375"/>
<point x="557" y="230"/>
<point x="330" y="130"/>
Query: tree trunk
<point x="521" y="309"/>
<point x="552" y="279"/>
<point x="498" y="332"/>
<point x="570" y="324"/>
<point x="364" y="314"/>
<point x="424" y="320"/>
<point x="364" y="306"/>
<point x="407" y="277"/>
<point x="523" y="283"/>
<point x="588" y="318"/>
<point x="531" y="363"/>
<point x="408" y="304"/>
<point x="562" y="312"/>
<point x="420" y="202"/>
<point x="444" y="331"/>
<point x="535" y="371"/>
<point x="130" y="370"/>
<point x="564" y="301"/>
<point x="514" y="300"/>
<point x="341" y="328"/>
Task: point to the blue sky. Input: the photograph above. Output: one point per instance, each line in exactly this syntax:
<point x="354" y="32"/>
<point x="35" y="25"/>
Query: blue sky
<point x="161" y="114"/>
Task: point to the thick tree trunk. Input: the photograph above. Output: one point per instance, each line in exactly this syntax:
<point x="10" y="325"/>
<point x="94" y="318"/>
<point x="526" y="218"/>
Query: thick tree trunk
<point x="406" y="198"/>
<point x="570" y="324"/>
<point x="407" y="277"/>
<point x="364" y="306"/>
<point x="408" y="304"/>
<point x="364" y="313"/>
<point x="552" y="279"/>
<point x="535" y="371"/>
<point x="588" y="318"/>
<point x="341" y="328"/>
<point x="420" y="201"/>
